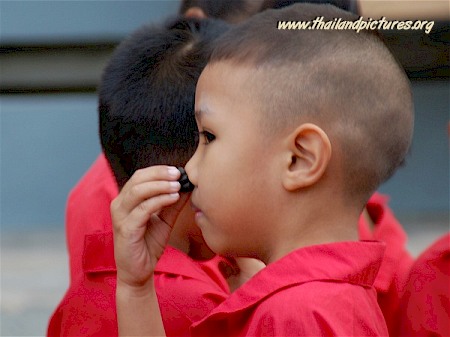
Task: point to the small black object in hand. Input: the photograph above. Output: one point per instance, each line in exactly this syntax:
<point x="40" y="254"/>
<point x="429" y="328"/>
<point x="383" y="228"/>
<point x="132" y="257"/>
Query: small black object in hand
<point x="186" y="185"/>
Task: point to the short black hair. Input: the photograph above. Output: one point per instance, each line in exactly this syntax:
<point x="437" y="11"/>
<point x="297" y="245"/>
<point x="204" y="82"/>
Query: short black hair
<point x="346" y="82"/>
<point x="147" y="94"/>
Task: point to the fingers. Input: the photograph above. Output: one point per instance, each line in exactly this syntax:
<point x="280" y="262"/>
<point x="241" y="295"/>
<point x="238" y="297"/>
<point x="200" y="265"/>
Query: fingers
<point x="158" y="172"/>
<point x="137" y="196"/>
<point x="149" y="182"/>
<point x="140" y="215"/>
<point x="147" y="192"/>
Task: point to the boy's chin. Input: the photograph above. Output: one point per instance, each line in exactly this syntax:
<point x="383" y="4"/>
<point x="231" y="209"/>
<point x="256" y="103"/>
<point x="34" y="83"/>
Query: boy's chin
<point x="199" y="249"/>
<point x="216" y="246"/>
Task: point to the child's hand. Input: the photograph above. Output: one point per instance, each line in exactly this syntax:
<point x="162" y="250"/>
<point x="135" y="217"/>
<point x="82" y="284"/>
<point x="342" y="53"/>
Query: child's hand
<point x="141" y="229"/>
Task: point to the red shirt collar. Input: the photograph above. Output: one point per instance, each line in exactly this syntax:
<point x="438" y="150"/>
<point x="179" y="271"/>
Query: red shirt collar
<point x="178" y="263"/>
<point x="351" y="262"/>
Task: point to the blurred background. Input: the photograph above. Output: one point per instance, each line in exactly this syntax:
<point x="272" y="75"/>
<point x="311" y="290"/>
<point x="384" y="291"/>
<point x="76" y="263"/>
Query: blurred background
<point x="51" y="58"/>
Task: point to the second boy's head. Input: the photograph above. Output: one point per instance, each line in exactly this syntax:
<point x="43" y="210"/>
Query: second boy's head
<point x="298" y="129"/>
<point x="146" y="105"/>
<point x="146" y="96"/>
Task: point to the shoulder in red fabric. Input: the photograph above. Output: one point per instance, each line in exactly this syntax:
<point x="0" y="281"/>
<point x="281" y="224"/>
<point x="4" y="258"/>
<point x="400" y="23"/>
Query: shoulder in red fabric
<point x="88" y="307"/>
<point x="320" y="290"/>
<point x="425" y="306"/>
<point x="397" y="261"/>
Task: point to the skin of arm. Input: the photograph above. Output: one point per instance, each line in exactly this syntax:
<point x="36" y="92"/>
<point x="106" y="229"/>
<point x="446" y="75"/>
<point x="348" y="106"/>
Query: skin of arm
<point x="143" y="215"/>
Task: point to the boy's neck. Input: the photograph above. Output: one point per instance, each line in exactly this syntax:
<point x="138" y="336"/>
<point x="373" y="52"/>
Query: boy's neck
<point x="198" y="250"/>
<point x="319" y="225"/>
<point x="368" y="219"/>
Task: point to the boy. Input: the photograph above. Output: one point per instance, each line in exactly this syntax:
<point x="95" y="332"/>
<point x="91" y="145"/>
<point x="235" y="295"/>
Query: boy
<point x="425" y="306"/>
<point x="377" y="221"/>
<point x="298" y="130"/>
<point x="146" y="102"/>
<point x="93" y="194"/>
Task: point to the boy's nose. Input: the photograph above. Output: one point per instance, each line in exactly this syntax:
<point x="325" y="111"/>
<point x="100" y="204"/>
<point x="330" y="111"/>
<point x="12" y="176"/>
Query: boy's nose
<point x="191" y="168"/>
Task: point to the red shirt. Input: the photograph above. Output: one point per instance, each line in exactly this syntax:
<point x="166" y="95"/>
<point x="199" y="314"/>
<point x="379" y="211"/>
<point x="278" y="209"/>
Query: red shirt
<point x="323" y="290"/>
<point x="391" y="279"/>
<point x="426" y="302"/>
<point x="88" y="210"/>
<point x="88" y="307"/>
<point x="186" y="290"/>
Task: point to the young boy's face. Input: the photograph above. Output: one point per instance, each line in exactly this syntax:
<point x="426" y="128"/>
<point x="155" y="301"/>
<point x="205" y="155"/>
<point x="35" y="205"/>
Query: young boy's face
<point x="234" y="166"/>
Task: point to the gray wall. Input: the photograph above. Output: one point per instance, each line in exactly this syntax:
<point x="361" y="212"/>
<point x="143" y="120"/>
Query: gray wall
<point x="24" y="22"/>
<point x="48" y="141"/>
<point x="421" y="187"/>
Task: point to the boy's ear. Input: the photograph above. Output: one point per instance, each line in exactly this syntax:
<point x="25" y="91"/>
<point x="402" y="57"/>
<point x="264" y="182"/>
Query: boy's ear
<point x="309" y="153"/>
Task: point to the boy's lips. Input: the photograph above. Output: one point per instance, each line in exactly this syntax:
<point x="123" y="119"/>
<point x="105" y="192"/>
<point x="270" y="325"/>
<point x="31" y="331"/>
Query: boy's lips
<point x="198" y="212"/>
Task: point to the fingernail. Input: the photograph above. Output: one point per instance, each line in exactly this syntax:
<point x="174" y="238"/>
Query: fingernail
<point x="173" y="171"/>
<point x="175" y="185"/>
<point x="174" y="195"/>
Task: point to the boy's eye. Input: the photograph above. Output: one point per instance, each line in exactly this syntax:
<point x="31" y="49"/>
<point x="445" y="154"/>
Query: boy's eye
<point x="207" y="136"/>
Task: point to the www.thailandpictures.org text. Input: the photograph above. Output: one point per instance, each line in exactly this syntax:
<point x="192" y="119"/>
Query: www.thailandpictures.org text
<point x="357" y="25"/>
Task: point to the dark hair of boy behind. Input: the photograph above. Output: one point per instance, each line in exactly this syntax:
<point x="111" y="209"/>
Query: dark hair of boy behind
<point x="147" y="94"/>
<point x="346" y="82"/>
